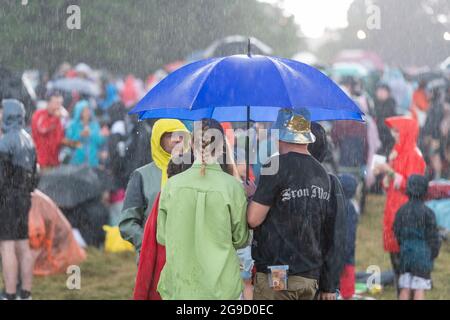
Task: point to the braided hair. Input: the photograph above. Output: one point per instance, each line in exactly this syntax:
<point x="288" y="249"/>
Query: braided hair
<point x="202" y="140"/>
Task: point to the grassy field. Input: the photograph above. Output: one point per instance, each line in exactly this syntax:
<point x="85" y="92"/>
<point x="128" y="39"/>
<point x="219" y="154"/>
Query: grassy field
<point x="111" y="276"/>
<point x="369" y="251"/>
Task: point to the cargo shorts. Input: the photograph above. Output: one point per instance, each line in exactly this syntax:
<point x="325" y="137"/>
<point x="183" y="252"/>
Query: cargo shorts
<point x="299" y="288"/>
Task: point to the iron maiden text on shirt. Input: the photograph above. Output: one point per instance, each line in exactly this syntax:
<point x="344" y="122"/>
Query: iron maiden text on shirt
<point x="312" y="192"/>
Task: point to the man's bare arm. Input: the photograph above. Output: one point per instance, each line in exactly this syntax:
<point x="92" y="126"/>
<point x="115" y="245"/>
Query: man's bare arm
<point x="256" y="214"/>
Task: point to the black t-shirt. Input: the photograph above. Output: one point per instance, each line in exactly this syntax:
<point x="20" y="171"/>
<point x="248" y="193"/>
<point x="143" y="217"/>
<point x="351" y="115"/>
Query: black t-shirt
<point x="292" y="234"/>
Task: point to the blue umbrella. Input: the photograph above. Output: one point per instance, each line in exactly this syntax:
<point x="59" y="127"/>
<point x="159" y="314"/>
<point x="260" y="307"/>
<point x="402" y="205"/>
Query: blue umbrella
<point x="246" y="88"/>
<point x="243" y="88"/>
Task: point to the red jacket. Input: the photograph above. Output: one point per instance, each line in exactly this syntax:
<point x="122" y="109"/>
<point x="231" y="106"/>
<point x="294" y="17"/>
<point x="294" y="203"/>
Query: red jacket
<point x="408" y="161"/>
<point x="151" y="261"/>
<point x="129" y="94"/>
<point x="47" y="133"/>
<point x="420" y="100"/>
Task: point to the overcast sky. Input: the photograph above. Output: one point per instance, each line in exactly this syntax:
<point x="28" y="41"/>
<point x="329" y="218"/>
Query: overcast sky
<point x="314" y="16"/>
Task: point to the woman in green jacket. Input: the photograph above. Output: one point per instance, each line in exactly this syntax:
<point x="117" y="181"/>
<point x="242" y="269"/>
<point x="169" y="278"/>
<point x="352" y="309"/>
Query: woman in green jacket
<point x="202" y="221"/>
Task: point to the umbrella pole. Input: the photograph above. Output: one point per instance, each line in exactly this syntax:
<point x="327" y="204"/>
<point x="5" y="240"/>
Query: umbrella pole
<point x="247" y="147"/>
<point x="247" y="136"/>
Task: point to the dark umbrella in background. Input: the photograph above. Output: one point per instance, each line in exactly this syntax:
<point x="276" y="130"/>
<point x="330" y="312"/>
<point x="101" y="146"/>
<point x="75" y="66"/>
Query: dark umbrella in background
<point x="89" y="218"/>
<point x="80" y="85"/>
<point x="78" y="191"/>
<point x="70" y="186"/>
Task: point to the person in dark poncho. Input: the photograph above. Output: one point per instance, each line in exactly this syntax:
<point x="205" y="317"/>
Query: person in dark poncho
<point x="319" y="150"/>
<point x="432" y="137"/>
<point x="384" y="108"/>
<point x="18" y="178"/>
<point x="417" y="234"/>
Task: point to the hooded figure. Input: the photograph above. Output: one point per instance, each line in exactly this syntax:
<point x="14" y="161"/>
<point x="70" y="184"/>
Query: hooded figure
<point x="336" y="261"/>
<point x="405" y="160"/>
<point x="111" y="96"/>
<point x="416" y="231"/>
<point x="383" y="110"/>
<point x="145" y="183"/>
<point x="349" y="186"/>
<point x="160" y="156"/>
<point x="88" y="151"/>
<point x="347" y="283"/>
<point x="18" y="176"/>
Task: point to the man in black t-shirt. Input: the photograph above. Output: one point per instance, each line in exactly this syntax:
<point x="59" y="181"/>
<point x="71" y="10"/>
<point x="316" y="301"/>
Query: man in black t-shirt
<point x="291" y="213"/>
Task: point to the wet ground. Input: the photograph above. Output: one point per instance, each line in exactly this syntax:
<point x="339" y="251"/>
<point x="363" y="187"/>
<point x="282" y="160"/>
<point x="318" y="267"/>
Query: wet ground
<point x="111" y="276"/>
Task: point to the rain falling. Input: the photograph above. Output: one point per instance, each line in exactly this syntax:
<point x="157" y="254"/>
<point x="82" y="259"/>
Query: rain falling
<point x="225" y="150"/>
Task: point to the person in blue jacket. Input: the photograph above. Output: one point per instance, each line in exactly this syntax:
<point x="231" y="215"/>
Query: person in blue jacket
<point x="85" y="129"/>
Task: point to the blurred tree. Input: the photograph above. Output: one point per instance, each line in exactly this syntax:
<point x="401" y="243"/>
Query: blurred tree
<point x="133" y="36"/>
<point x="410" y="33"/>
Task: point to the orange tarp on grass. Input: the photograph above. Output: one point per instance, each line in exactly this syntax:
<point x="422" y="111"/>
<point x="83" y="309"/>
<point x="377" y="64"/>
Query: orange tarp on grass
<point x="51" y="237"/>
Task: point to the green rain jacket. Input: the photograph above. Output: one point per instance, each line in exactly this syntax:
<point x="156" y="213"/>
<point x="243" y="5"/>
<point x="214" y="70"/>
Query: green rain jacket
<point x="142" y="188"/>
<point x="202" y="221"/>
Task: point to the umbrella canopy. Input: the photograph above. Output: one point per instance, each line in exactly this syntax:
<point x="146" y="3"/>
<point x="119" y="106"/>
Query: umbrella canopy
<point x="80" y="85"/>
<point x="70" y="186"/>
<point x="243" y="88"/>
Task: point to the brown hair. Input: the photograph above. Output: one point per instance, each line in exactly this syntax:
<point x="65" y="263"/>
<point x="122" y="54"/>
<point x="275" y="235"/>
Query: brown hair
<point x="177" y="165"/>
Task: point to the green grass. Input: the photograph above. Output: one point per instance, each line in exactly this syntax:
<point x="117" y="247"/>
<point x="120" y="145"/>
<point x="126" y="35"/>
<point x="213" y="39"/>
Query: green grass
<point x="111" y="276"/>
<point x="369" y="251"/>
<point x="104" y="276"/>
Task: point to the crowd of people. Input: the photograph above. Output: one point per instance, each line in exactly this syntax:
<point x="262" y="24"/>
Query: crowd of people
<point x="416" y="145"/>
<point x="430" y="107"/>
<point x="202" y="228"/>
<point x="356" y="144"/>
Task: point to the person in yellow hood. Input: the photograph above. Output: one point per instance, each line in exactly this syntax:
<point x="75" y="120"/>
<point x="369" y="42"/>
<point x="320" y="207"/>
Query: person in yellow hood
<point x="146" y="181"/>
